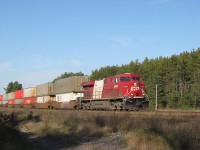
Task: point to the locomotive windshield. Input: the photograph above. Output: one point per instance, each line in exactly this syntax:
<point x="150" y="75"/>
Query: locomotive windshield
<point x="136" y="78"/>
<point x="125" y="79"/>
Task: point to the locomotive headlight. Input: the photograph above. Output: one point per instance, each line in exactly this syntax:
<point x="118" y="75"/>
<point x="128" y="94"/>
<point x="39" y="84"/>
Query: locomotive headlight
<point x="125" y="86"/>
<point x="135" y="84"/>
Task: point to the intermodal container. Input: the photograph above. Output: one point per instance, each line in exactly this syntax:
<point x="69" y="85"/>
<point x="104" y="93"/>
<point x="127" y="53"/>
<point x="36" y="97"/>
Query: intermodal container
<point x="10" y="96"/>
<point x="29" y="100"/>
<point x="1" y="97"/>
<point x="44" y="99"/>
<point x="18" y="101"/>
<point x="10" y="102"/>
<point x="45" y="89"/>
<point x="68" y="97"/>
<point x="5" y="97"/>
<point x="19" y="94"/>
<point x="30" y="92"/>
<point x="69" y="84"/>
<point x="4" y="102"/>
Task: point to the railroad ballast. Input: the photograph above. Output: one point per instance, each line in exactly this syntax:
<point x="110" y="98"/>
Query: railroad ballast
<point x="121" y="92"/>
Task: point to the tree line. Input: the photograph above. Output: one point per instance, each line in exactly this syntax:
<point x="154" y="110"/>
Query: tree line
<point x="177" y="78"/>
<point x="68" y="74"/>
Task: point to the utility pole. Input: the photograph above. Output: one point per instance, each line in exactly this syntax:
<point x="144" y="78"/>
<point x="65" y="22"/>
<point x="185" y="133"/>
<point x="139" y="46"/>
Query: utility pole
<point x="156" y="105"/>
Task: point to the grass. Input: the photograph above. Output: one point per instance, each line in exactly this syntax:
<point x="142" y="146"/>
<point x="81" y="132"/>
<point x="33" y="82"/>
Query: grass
<point x="66" y="129"/>
<point x="141" y="139"/>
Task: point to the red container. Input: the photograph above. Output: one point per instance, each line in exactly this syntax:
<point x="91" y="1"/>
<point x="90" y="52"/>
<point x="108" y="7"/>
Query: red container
<point x="10" y="102"/>
<point x="1" y="97"/>
<point x="19" y="94"/>
<point x="29" y="100"/>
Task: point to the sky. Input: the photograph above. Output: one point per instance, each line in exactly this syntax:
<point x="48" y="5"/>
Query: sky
<point x="41" y="39"/>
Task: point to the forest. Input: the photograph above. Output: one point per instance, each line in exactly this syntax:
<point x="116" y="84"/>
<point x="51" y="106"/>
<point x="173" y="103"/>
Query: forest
<point x="177" y="78"/>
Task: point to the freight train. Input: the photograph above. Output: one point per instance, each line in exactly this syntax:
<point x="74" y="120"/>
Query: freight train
<point x="120" y="92"/>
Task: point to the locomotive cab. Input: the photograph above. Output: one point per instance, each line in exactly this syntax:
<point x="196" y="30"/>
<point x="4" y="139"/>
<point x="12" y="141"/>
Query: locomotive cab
<point x="125" y="84"/>
<point x="134" y="91"/>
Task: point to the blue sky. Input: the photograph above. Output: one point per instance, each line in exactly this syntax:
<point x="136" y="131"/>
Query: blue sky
<point x="41" y="39"/>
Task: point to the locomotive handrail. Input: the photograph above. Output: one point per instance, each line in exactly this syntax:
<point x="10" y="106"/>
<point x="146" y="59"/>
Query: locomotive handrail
<point x="127" y="93"/>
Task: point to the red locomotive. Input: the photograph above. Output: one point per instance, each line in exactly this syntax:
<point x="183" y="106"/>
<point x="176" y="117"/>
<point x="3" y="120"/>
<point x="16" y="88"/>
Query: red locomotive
<point x="124" y="91"/>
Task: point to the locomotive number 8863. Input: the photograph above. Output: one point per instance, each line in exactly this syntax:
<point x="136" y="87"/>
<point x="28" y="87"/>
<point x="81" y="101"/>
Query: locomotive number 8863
<point x="124" y="91"/>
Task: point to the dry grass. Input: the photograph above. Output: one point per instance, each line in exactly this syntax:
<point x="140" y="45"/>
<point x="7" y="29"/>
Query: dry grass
<point x="141" y="139"/>
<point x="141" y="130"/>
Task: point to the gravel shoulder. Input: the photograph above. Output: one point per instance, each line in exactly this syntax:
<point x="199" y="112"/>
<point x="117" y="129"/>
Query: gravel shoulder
<point x="115" y="141"/>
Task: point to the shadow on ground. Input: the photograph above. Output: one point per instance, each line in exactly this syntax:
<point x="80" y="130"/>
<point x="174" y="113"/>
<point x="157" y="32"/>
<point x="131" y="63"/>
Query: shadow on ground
<point x="11" y="138"/>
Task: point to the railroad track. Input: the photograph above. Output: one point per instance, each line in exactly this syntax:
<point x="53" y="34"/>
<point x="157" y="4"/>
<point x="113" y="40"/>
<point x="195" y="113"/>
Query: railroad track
<point x="143" y="113"/>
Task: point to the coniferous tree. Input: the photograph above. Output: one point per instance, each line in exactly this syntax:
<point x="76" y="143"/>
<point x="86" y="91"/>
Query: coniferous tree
<point x="13" y="86"/>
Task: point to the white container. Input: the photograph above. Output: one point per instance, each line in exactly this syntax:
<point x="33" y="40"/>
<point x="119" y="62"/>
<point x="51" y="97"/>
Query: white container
<point x="5" y="96"/>
<point x="30" y="92"/>
<point x="10" y="96"/>
<point x="4" y="102"/>
<point x="44" y="99"/>
<point x="18" y="101"/>
<point x="68" y="97"/>
<point x="98" y="88"/>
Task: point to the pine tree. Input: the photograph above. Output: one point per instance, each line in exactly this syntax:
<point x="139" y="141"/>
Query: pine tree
<point x="13" y="86"/>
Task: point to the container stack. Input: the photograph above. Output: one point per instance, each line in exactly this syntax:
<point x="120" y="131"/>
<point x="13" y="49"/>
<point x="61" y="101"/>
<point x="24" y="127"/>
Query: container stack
<point x="63" y="93"/>
<point x="68" y="90"/>
<point x="29" y="97"/>
<point x="5" y="100"/>
<point x="1" y="99"/>
<point x="18" y="102"/>
<point x="10" y="97"/>
<point x="45" y="95"/>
